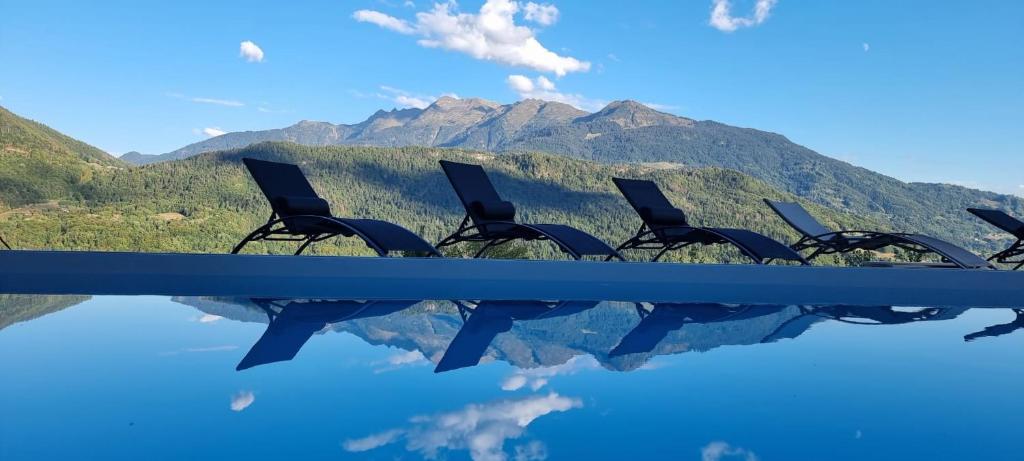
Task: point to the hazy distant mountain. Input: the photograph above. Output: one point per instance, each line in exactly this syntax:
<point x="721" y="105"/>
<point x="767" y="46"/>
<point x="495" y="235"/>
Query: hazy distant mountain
<point x="469" y="123"/>
<point x="629" y="132"/>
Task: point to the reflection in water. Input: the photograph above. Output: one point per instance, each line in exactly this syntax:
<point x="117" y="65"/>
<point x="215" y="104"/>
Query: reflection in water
<point x="293" y="323"/>
<point x="542" y="336"/>
<point x="489" y="318"/>
<point x="22" y="308"/>
<point x="999" y="330"/>
<point x="482" y="429"/>
<point x="665" y="318"/>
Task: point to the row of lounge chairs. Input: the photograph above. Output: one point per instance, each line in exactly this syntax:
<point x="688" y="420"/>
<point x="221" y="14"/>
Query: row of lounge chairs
<point x="300" y="215"/>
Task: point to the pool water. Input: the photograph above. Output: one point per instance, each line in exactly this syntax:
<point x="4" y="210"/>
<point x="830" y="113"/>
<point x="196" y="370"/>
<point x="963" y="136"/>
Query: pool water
<point x="213" y="378"/>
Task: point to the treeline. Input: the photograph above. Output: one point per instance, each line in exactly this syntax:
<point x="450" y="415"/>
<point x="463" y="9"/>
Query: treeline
<point x="208" y="202"/>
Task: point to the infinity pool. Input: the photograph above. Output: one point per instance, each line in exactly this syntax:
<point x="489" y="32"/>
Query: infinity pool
<point x="214" y="378"/>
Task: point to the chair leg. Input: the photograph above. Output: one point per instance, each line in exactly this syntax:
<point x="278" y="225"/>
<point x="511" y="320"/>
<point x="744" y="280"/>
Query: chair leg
<point x="254" y="235"/>
<point x="486" y="247"/>
<point x="309" y="240"/>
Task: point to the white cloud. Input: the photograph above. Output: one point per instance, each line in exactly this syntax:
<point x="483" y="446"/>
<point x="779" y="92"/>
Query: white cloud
<point x="250" y="51"/>
<point x="372" y="441"/>
<point x="242" y="400"/>
<point x="543" y="14"/>
<point x="482" y="429"/>
<point x="490" y="35"/>
<point x="866" y="46"/>
<point x="716" y="451"/>
<point x="218" y="102"/>
<point x="543" y="88"/>
<point x="538" y="377"/>
<point x="209" y="318"/>
<point x="1021" y="187"/>
<point x="214" y="101"/>
<point x="400" y="360"/>
<point x="613" y="57"/>
<point x="213" y="132"/>
<point x="190" y="350"/>
<point x="404" y="98"/>
<point x="385" y="21"/>
<point x="723" y="20"/>
<point x="514" y="383"/>
<point x="533" y="451"/>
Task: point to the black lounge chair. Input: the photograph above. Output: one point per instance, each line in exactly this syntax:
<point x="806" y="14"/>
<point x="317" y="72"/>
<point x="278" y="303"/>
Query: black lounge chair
<point x="490" y="318"/>
<point x="665" y="228"/>
<point x="491" y="220"/>
<point x="664" y="318"/>
<point x="1011" y="225"/>
<point x="822" y="240"/>
<point x="300" y="215"/>
<point x="293" y="323"/>
<point x="999" y="330"/>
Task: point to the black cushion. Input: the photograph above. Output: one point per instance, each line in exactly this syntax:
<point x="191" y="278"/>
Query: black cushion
<point x="498" y="211"/>
<point x="664" y="215"/>
<point x="291" y="206"/>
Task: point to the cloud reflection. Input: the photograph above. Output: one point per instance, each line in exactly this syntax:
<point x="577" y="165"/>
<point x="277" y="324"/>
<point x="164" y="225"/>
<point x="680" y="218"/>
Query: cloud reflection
<point x="242" y="400"/>
<point x="482" y="429"/>
<point x="537" y="378"/>
<point x="718" y="450"/>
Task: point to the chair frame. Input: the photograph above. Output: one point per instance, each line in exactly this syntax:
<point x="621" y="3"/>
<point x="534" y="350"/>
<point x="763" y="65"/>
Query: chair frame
<point x="276" y="228"/>
<point x="470" y="230"/>
<point x="845" y="241"/>
<point x="1013" y="251"/>
<point x="650" y="238"/>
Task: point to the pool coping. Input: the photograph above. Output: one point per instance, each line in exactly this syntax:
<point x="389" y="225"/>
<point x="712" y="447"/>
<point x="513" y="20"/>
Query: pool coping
<point x="341" y="277"/>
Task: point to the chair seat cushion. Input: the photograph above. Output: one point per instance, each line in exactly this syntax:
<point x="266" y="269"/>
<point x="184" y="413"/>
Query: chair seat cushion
<point x="497" y="210"/>
<point x="293" y="206"/>
<point x="665" y="216"/>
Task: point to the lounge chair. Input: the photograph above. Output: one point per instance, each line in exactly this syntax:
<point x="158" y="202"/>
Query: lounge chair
<point x="822" y="240"/>
<point x="489" y="318"/>
<point x="300" y="215"/>
<point x="664" y="318"/>
<point x="1011" y="225"/>
<point x="491" y="220"/>
<point x="291" y="324"/>
<point x="665" y="228"/>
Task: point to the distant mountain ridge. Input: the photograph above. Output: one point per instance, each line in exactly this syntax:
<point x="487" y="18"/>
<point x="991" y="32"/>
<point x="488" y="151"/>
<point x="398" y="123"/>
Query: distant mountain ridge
<point x="469" y="123"/>
<point x="630" y="132"/>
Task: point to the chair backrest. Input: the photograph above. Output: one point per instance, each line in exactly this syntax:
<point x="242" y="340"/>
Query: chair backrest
<point x="640" y="194"/>
<point x="471" y="184"/>
<point x="278" y="180"/>
<point x="798" y="218"/>
<point x="1001" y="220"/>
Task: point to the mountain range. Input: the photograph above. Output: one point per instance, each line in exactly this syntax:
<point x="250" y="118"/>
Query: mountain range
<point x="630" y="132"/>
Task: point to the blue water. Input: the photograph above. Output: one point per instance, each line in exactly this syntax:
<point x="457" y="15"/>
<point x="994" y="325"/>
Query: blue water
<point x="155" y="378"/>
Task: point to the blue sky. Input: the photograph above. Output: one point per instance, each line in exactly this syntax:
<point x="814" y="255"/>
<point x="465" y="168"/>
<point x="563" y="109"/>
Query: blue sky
<point x="921" y="90"/>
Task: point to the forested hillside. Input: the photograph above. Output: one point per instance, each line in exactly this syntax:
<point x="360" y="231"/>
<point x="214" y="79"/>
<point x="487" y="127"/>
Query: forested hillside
<point x="207" y="203"/>
<point x="38" y="164"/>
<point x="630" y="132"/>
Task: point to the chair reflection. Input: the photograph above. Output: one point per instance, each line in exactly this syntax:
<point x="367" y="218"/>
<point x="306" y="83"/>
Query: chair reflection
<point x="664" y="318"/>
<point x="999" y="330"/>
<point x="292" y="323"/>
<point x="489" y="318"/>
<point x="655" y="325"/>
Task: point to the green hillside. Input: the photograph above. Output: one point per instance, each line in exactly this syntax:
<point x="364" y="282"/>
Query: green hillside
<point x="38" y="164"/>
<point x="207" y="203"/>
